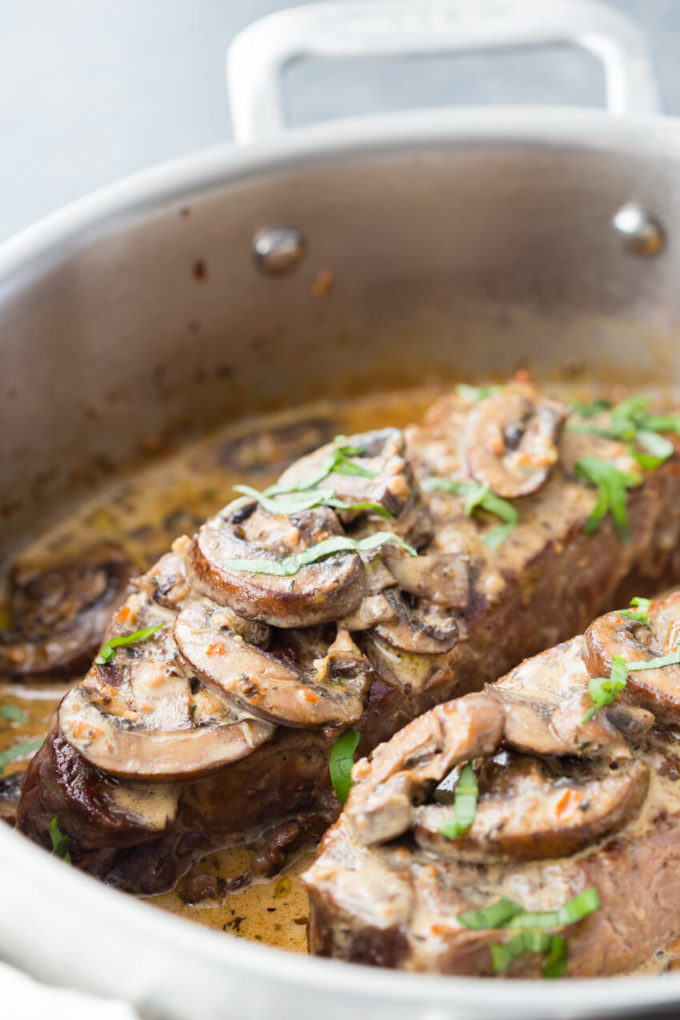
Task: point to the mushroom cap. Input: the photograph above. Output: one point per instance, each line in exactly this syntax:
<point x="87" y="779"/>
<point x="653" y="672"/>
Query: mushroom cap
<point x="59" y="612"/>
<point x="320" y="690"/>
<point x="533" y="816"/>
<point x="122" y="747"/>
<point x="511" y="439"/>
<point x="317" y="593"/>
<point x="656" y="690"/>
<point x="400" y="772"/>
<point x="384" y="476"/>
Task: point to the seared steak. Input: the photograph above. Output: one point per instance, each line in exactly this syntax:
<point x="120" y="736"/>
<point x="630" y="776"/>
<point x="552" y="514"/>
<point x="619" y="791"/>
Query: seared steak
<point x="573" y="801"/>
<point x="295" y="615"/>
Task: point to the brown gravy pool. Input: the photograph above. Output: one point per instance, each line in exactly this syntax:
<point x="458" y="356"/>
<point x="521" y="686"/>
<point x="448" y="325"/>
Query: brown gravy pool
<point x="144" y="513"/>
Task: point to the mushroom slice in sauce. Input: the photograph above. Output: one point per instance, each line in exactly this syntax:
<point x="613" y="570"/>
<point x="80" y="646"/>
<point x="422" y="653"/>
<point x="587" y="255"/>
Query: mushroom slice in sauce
<point x="511" y="439"/>
<point x="657" y="690"/>
<point x="442" y="578"/>
<point x="384" y="476"/>
<point x="58" y="613"/>
<point x="425" y="629"/>
<point x="166" y="582"/>
<point x="400" y="773"/>
<point x="532" y="816"/>
<point x="329" y="691"/>
<point x="317" y="593"/>
<point x="109" y="733"/>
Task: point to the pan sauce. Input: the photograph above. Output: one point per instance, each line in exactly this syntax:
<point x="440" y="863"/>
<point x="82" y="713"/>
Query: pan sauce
<point x="143" y="514"/>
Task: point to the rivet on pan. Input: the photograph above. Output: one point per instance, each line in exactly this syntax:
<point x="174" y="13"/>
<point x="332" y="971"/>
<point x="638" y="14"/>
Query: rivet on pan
<point x="641" y="233"/>
<point x="279" y="250"/>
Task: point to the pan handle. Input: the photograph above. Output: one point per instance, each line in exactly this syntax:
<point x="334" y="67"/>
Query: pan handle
<point x="353" y="28"/>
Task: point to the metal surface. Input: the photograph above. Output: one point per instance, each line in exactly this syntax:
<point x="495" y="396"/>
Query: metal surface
<point x="639" y="229"/>
<point x="279" y="250"/>
<point x="259" y="54"/>
<point x="460" y="244"/>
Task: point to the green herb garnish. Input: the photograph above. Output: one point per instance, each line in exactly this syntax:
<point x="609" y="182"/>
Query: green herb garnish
<point x="554" y="946"/>
<point x="18" y="751"/>
<point x="532" y="936"/>
<point x="475" y="393"/>
<point x="107" y="652"/>
<point x="570" y="912"/>
<point x="611" y="493"/>
<point x="338" y="461"/>
<point x="596" y="406"/>
<point x="341" y="762"/>
<point x="496" y="915"/>
<point x="605" y="689"/>
<point x="60" y="842"/>
<point x="639" y="614"/>
<point x="479" y="496"/>
<point x="314" y="553"/>
<point x="464" y="805"/>
<point x="631" y="422"/>
<point x="13" y="713"/>
<point x="672" y="659"/>
<point x="305" y="499"/>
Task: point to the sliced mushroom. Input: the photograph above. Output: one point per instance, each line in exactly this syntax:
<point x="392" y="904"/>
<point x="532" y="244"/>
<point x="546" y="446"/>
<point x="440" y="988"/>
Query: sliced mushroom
<point x="401" y="772"/>
<point x="116" y="741"/>
<point x="657" y="690"/>
<point x="534" y="817"/>
<point x="442" y="578"/>
<point x="511" y="439"/>
<point x="317" y="593"/>
<point x="372" y="609"/>
<point x="425" y="629"/>
<point x="324" y="690"/>
<point x="381" y="453"/>
<point x="527" y="721"/>
<point x="166" y="582"/>
<point x="58" y="613"/>
<point x="537" y="725"/>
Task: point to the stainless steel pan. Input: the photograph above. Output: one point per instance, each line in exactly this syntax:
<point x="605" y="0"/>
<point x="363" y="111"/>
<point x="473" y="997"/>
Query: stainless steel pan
<point x="461" y="242"/>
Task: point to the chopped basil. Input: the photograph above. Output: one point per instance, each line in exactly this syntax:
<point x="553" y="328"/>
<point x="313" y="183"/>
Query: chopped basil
<point x="60" y="842"/>
<point x="339" y="461"/>
<point x="603" y="690"/>
<point x="305" y="499"/>
<point x="596" y="406"/>
<point x="475" y="393"/>
<point x="532" y="936"/>
<point x="639" y="614"/>
<point x="663" y="423"/>
<point x="21" y="750"/>
<point x="554" y="946"/>
<point x="13" y="713"/>
<point x="658" y="448"/>
<point x="496" y="915"/>
<point x="631" y="422"/>
<point x="107" y="652"/>
<point x="611" y="493"/>
<point x="479" y="496"/>
<point x="341" y="762"/>
<point x="507" y="913"/>
<point x="314" y="553"/>
<point x="570" y="912"/>
<point x="464" y="805"/>
<point x="672" y="659"/>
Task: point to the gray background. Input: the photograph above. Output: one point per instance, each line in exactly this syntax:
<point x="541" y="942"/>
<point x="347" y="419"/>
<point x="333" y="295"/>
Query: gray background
<point x="91" y="90"/>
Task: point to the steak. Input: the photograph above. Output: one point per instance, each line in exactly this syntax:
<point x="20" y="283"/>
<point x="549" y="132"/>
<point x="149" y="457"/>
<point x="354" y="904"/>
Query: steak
<point x="297" y="614"/>
<point x="574" y="805"/>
